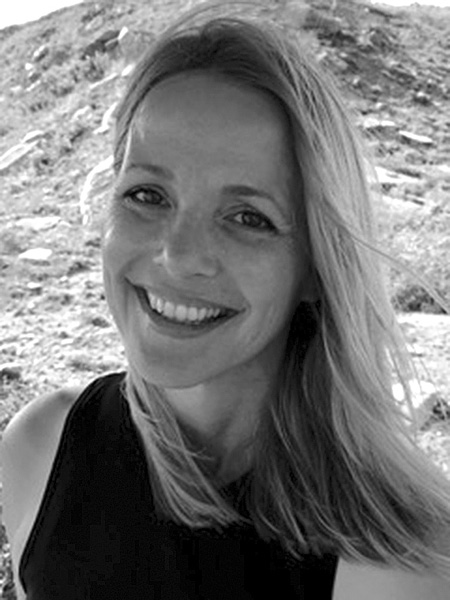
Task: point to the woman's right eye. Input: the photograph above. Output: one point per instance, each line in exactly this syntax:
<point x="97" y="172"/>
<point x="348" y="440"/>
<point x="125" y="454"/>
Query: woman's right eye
<point x="145" y="196"/>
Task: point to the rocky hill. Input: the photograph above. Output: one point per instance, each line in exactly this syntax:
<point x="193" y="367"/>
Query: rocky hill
<point x="60" y="78"/>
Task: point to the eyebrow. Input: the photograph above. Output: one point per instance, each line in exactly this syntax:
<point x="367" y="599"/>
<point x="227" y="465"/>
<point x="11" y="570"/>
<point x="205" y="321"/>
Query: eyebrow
<point x="150" y="168"/>
<point x="247" y="191"/>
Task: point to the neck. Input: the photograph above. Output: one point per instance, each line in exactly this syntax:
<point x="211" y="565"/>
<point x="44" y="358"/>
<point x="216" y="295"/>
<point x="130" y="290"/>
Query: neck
<point x="221" y="418"/>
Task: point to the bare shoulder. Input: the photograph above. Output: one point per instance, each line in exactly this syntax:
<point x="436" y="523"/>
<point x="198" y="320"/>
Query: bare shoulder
<point x="355" y="581"/>
<point x="30" y="441"/>
<point x="40" y="415"/>
<point x="28" y="449"/>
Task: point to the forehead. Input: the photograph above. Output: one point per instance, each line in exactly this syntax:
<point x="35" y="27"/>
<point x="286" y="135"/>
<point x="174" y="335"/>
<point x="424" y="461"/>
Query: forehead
<point x="204" y="104"/>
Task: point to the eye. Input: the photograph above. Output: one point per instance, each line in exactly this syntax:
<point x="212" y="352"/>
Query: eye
<point x="253" y="220"/>
<point x="145" y="196"/>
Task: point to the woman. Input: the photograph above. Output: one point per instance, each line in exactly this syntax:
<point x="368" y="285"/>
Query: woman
<point x="254" y="446"/>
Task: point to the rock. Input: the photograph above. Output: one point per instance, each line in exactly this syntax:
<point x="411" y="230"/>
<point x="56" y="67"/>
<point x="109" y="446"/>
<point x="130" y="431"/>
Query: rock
<point x="388" y="178"/>
<point x="33" y="86"/>
<point x="423" y="398"/>
<point x="126" y="72"/>
<point x="60" y="55"/>
<point x="375" y="91"/>
<point x="97" y="180"/>
<point x="442" y="169"/>
<point x="41" y="52"/>
<point x="95" y="23"/>
<point x="107" y="119"/>
<point x="14" y="155"/>
<point x="41" y="161"/>
<point x="380" y="40"/>
<point x="10" y="372"/>
<point x="338" y="63"/>
<point x="81" y="362"/>
<point x="81" y="113"/>
<point x="132" y="44"/>
<point x="32" y="136"/>
<point x="104" y="81"/>
<point x="328" y="26"/>
<point x="78" y="266"/>
<point x="106" y="42"/>
<point x="38" y="223"/>
<point x="99" y="321"/>
<point x="33" y="74"/>
<point x="391" y="210"/>
<point x="412" y="138"/>
<point x="422" y="98"/>
<point x="373" y="124"/>
<point x="36" y="255"/>
<point x="33" y="286"/>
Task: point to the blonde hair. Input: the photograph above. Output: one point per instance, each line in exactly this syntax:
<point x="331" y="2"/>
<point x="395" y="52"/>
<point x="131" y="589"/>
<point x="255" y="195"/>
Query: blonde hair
<point x="335" y="469"/>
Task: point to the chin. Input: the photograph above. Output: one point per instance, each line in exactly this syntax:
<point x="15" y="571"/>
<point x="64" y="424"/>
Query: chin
<point x="173" y="377"/>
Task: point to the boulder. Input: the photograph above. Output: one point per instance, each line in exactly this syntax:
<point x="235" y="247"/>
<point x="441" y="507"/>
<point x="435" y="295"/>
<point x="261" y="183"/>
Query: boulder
<point x="36" y="255"/>
<point x="41" y="52"/>
<point x="132" y="44"/>
<point x="97" y="181"/>
<point x="15" y="154"/>
<point x="372" y="124"/>
<point x="107" y="119"/>
<point x="387" y="178"/>
<point x="84" y="112"/>
<point x="38" y="223"/>
<point x="126" y="71"/>
<point x="108" y="41"/>
<point x="412" y="138"/>
<point x="10" y="372"/>
<point x="32" y="136"/>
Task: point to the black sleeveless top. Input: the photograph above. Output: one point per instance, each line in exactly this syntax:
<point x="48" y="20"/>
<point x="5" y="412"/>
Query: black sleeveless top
<point x="96" y="535"/>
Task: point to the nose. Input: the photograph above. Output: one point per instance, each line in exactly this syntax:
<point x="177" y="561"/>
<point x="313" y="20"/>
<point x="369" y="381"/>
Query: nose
<point x="186" y="249"/>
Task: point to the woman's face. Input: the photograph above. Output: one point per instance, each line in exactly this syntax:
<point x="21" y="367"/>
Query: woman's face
<point x="203" y="263"/>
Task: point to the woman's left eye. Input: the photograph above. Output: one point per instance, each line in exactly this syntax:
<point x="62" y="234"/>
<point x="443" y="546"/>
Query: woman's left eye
<point x="253" y="220"/>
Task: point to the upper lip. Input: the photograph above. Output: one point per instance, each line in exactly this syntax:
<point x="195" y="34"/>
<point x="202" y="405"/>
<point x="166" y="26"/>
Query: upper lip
<point x="182" y="298"/>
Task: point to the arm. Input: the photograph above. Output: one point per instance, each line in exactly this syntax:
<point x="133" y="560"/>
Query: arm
<point x="368" y="582"/>
<point x="28" y="448"/>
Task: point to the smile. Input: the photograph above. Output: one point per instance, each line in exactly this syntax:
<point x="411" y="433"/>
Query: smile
<point x="182" y="314"/>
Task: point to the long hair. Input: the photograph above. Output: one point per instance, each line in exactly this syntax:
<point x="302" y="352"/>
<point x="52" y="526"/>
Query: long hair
<point x="335" y="468"/>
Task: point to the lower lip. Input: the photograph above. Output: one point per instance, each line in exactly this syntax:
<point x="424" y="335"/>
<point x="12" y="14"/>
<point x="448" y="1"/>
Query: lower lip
<point x="178" y="330"/>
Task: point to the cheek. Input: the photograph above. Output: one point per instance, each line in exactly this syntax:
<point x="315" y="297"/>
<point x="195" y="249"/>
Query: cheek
<point x="125" y="237"/>
<point x="269" y="280"/>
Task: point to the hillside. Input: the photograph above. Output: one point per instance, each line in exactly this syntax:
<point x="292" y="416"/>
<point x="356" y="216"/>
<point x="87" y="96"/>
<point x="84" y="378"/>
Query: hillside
<point x="59" y="78"/>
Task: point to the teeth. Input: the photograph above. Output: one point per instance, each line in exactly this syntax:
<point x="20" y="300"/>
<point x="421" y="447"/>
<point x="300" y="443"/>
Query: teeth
<point x="169" y="310"/>
<point x="182" y="313"/>
<point x="192" y="314"/>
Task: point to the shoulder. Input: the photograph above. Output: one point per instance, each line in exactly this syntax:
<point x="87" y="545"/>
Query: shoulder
<point x="36" y="425"/>
<point x="29" y="445"/>
<point x="355" y="581"/>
